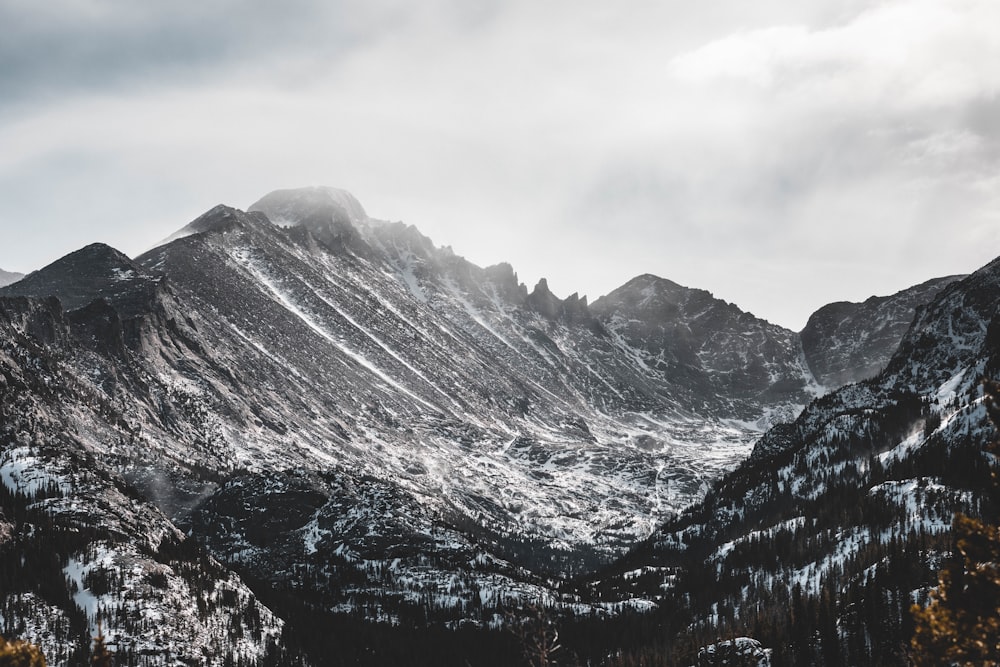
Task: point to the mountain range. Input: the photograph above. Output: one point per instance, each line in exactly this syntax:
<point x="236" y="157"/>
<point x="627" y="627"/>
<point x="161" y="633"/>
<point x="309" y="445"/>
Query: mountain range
<point x="820" y="541"/>
<point x="296" y="417"/>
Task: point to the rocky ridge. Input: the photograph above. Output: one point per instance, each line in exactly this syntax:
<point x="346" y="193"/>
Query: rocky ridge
<point x="847" y="342"/>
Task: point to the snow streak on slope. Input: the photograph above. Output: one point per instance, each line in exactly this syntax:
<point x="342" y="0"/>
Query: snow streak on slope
<point x="244" y="258"/>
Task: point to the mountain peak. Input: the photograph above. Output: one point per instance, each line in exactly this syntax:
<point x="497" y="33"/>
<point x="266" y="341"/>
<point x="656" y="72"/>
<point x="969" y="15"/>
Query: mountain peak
<point x="89" y="259"/>
<point x="648" y="293"/>
<point x="331" y="215"/>
<point x="216" y="218"/>
<point x="80" y="277"/>
<point x="220" y="218"/>
<point x="847" y="342"/>
<point x="310" y="206"/>
<point x="100" y="252"/>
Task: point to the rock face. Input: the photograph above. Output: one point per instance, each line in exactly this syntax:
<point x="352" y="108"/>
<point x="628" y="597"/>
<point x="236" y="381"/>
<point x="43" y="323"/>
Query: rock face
<point x="848" y="342"/>
<point x="718" y="357"/>
<point x="955" y="334"/>
<point x="77" y="542"/>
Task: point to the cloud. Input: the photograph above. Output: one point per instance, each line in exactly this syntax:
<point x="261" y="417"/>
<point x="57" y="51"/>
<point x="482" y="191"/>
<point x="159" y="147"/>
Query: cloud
<point x="63" y="48"/>
<point x="866" y="145"/>
<point x="730" y="147"/>
<point x="901" y="54"/>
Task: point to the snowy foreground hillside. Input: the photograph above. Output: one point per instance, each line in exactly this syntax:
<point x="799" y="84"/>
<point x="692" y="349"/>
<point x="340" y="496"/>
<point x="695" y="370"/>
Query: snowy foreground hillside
<point x="297" y="435"/>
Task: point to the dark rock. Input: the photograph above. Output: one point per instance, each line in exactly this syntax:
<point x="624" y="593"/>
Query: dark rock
<point x="846" y="342"/>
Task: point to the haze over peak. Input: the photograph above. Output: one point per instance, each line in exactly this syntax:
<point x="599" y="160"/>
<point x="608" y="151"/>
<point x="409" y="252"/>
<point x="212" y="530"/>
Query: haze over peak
<point x="298" y="206"/>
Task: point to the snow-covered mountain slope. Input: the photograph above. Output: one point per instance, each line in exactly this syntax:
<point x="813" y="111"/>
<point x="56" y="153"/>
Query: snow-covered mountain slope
<point x="350" y="416"/>
<point x="846" y="342"/>
<point x="387" y="366"/>
<point x="334" y="359"/>
<point x="8" y="277"/>
<point x="843" y="516"/>
<point x="77" y="543"/>
<point x="409" y="416"/>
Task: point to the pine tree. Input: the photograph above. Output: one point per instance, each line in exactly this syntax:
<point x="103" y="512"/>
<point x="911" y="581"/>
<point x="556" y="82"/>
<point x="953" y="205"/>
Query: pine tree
<point x="538" y="636"/>
<point x="20" y="654"/>
<point x="961" y="625"/>
<point x="99" y="656"/>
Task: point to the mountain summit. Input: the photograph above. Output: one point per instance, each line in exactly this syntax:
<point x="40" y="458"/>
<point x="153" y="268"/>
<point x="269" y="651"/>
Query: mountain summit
<point x="97" y="271"/>
<point x="846" y="342"/>
<point x="315" y="206"/>
<point x="332" y="216"/>
<point x="711" y="349"/>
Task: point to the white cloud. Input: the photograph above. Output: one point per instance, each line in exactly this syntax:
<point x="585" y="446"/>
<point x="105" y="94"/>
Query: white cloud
<point x="917" y="52"/>
<point x="729" y="147"/>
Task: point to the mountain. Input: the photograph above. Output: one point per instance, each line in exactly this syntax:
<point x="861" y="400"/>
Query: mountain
<point x="8" y="277"/>
<point x="818" y="544"/>
<point x="334" y="404"/>
<point x="495" y="425"/>
<point x="847" y="342"/>
<point x="345" y="424"/>
<point x="77" y="542"/>
<point x="97" y="271"/>
<point x="721" y="359"/>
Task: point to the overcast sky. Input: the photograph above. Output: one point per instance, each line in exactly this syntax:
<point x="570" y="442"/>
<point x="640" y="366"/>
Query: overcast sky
<point x="782" y="154"/>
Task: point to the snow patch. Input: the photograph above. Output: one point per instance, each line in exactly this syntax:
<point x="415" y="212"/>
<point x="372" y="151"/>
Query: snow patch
<point x="22" y="472"/>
